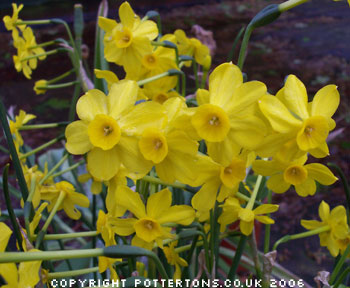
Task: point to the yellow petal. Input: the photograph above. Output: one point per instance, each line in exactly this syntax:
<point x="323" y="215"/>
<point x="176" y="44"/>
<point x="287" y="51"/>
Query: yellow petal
<point x="29" y="273"/>
<point x="326" y="101"/>
<point x="277" y="184"/>
<point x="295" y="96"/>
<point x="180" y="214"/>
<point x="222" y="83"/>
<point x="147" y="29"/>
<point x="311" y="224"/>
<point x="202" y="96"/>
<point x="159" y="203"/>
<point x="321" y="151"/>
<point x="126" y="15"/>
<point x="308" y="187"/>
<point x="131" y="200"/>
<point x="103" y="164"/>
<point x="204" y="199"/>
<point x="78" y="142"/>
<point x="265" y="219"/>
<point x="5" y="233"/>
<point x="246" y="227"/>
<point x="106" y="24"/>
<point x="278" y="115"/>
<point x="136" y="241"/>
<point x="267" y="168"/>
<point x="323" y="211"/>
<point x="321" y="173"/>
<point x="9" y="272"/>
<point x="91" y="104"/>
<point x="265" y="209"/>
<point x="153" y="145"/>
<point x="124" y="227"/>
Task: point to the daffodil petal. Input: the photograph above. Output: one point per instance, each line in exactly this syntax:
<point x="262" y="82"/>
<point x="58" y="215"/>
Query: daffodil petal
<point x="124" y="227"/>
<point x="5" y="233"/>
<point x="159" y="203"/>
<point x="78" y="142"/>
<point x="277" y="184"/>
<point x="311" y="224"/>
<point x="131" y="200"/>
<point x="204" y="199"/>
<point x="180" y="214"/>
<point x="265" y="219"/>
<point x="106" y="24"/>
<point x="326" y="101"/>
<point x="308" y="187"/>
<point x="246" y="227"/>
<point x="91" y="104"/>
<point x="126" y="15"/>
<point x="265" y="209"/>
<point x="320" y="173"/>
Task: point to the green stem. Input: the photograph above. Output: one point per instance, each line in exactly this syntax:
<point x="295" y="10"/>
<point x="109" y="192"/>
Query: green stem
<point x="42" y="126"/>
<point x="341" y="277"/>
<point x="34" y="151"/>
<point x="171" y="72"/>
<point x="234" y="44"/>
<point x="267" y="226"/>
<point x="183" y="78"/>
<point x="255" y="193"/>
<point x="43" y="231"/>
<point x="76" y="165"/>
<point x="76" y="95"/>
<point x="254" y="249"/>
<point x="244" y="46"/>
<point x="287" y="238"/>
<point x="44" y="44"/>
<point x="195" y="72"/>
<point x="29" y="206"/>
<point x="57" y="86"/>
<point x="69" y="235"/>
<point x="58" y="78"/>
<point x="339" y="265"/>
<point x="68" y="274"/>
<point x="9" y="207"/>
<point x="48" y="53"/>
<point x="16" y="257"/>
<point x="285" y="6"/>
<point x="13" y="152"/>
<point x="33" y="22"/>
<point x="235" y="262"/>
<point x="54" y="168"/>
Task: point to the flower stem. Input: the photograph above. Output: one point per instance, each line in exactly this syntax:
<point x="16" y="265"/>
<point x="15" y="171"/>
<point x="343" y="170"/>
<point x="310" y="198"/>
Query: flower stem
<point x="287" y="238"/>
<point x="76" y="165"/>
<point x="43" y="126"/>
<point x="33" y="22"/>
<point x="48" y="53"/>
<point x="195" y="72"/>
<point x="43" y="231"/>
<point x="58" y="78"/>
<point x="69" y="235"/>
<point x="255" y="193"/>
<point x="171" y="72"/>
<point x="54" y="168"/>
<point x="28" y="207"/>
<point x="339" y="265"/>
<point x="57" y="86"/>
<point x="34" y="151"/>
<point x="44" y="44"/>
<point x="267" y="226"/>
<point x="67" y="274"/>
<point x="236" y="259"/>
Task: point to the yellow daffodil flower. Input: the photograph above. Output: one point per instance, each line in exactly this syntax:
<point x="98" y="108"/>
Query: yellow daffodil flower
<point x="171" y="150"/>
<point x="227" y="121"/>
<point x="335" y="224"/>
<point x="296" y="173"/>
<point x="25" y="48"/>
<point x="306" y="124"/>
<point x="20" y="120"/>
<point x="173" y="258"/>
<point x="105" y="263"/>
<point x="71" y="198"/>
<point x="232" y="211"/>
<point x="128" y="41"/>
<point x="10" y="21"/>
<point x="219" y="181"/>
<point x="192" y="47"/>
<point x="108" y="127"/>
<point x="149" y="222"/>
<point x="39" y="87"/>
<point x="105" y="228"/>
<point x="158" y="61"/>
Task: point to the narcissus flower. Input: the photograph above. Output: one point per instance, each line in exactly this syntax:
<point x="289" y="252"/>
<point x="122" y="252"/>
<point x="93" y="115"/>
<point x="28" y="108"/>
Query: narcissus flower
<point x="171" y="150"/>
<point x="232" y="211"/>
<point x="150" y="221"/>
<point x="20" y="120"/>
<point x="335" y="227"/>
<point x="64" y="191"/>
<point x="128" y="41"/>
<point x="296" y="173"/>
<point x="107" y="75"/>
<point x="40" y="87"/>
<point x="192" y="47"/>
<point x="108" y="127"/>
<point x="307" y="124"/>
<point x="173" y="258"/>
<point x="10" y="21"/>
<point x="227" y="121"/>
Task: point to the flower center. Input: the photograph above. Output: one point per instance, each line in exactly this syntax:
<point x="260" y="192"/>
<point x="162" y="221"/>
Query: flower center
<point x="123" y="37"/>
<point x="308" y="131"/>
<point x="149" y="61"/>
<point x="148" y="224"/>
<point x="295" y="174"/>
<point x="234" y="173"/>
<point x="158" y="144"/>
<point x="214" y="121"/>
<point x="161" y="98"/>
<point x="153" y="145"/>
<point x="104" y="132"/>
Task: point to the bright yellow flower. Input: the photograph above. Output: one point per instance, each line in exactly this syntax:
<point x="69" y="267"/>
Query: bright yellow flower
<point x="192" y="47"/>
<point x="71" y="198"/>
<point x="173" y="258"/>
<point x="296" y="173"/>
<point x="171" y="150"/>
<point x="105" y="263"/>
<point x="20" y="120"/>
<point x="158" y="61"/>
<point x="105" y="228"/>
<point x="219" y="181"/>
<point x="10" y="21"/>
<point x="39" y="87"/>
<point x="25" y="49"/>
<point x="5" y="234"/>
<point x="232" y="211"/>
<point x="227" y="121"/>
<point x="108" y="129"/>
<point x="335" y="221"/>
<point x="150" y="221"/>
<point x="307" y="124"/>
<point x="128" y="41"/>
<point x="107" y="75"/>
